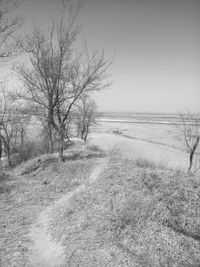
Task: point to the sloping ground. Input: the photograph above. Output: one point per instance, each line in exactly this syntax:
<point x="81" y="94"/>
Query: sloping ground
<point x="27" y="191"/>
<point x="134" y="215"/>
<point x="45" y="251"/>
<point x="134" y="148"/>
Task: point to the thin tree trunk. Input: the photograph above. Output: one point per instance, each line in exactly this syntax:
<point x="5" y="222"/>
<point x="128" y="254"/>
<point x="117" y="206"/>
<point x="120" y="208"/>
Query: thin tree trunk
<point x="8" y="155"/>
<point x="191" y="161"/>
<point x="22" y="139"/>
<point x="86" y="134"/>
<point x="1" y="150"/>
<point x="61" y="146"/>
<point x="51" y="139"/>
<point x="192" y="153"/>
<point x="68" y="138"/>
<point x="50" y="133"/>
<point x="82" y="134"/>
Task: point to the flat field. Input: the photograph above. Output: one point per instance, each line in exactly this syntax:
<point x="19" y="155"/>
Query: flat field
<point x="154" y="137"/>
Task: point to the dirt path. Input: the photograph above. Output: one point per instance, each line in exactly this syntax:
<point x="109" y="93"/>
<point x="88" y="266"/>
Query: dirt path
<point x="46" y="252"/>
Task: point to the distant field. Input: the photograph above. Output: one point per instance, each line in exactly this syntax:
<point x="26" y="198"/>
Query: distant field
<point x="152" y="136"/>
<point x="140" y="117"/>
<point x="131" y="117"/>
<point x="148" y="127"/>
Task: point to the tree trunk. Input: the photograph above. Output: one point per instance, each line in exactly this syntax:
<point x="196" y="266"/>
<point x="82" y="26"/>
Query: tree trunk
<point x="86" y="134"/>
<point x="22" y="139"/>
<point x="8" y="155"/>
<point x="61" y="146"/>
<point x="82" y="134"/>
<point x="50" y="133"/>
<point x="192" y="153"/>
<point x="51" y="139"/>
<point x="191" y="161"/>
<point x="68" y="138"/>
<point x="1" y="150"/>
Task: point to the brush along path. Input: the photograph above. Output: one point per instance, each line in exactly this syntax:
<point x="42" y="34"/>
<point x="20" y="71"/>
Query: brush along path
<point x="46" y="252"/>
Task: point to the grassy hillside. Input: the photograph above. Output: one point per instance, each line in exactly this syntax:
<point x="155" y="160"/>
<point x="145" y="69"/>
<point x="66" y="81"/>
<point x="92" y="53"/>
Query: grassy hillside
<point x="27" y="190"/>
<point x="137" y="214"/>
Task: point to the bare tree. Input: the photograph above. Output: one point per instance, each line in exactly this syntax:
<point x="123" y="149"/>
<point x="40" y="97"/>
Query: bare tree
<point x="13" y="126"/>
<point x="9" y="24"/>
<point x="190" y="134"/>
<point x="58" y="75"/>
<point x="85" y="116"/>
<point x="22" y="120"/>
<point x="8" y="130"/>
<point x="8" y="136"/>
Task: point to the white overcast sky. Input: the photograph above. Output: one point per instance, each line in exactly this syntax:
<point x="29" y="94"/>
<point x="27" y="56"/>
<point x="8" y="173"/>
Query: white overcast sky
<point x="157" y="45"/>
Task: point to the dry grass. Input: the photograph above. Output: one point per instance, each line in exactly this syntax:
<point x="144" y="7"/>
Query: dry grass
<point x="145" y="163"/>
<point x="133" y="216"/>
<point x="137" y="213"/>
<point x="23" y="196"/>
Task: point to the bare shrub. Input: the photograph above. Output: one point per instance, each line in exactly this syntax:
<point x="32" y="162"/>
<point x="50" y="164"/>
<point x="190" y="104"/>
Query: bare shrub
<point x="189" y="135"/>
<point x="85" y="116"/>
<point x="114" y="151"/>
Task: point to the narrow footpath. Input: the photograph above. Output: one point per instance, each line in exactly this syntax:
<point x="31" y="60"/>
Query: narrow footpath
<point x="46" y="252"/>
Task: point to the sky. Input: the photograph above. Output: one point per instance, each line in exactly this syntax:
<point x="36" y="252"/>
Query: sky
<point x="156" y="44"/>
